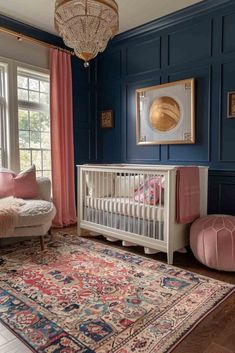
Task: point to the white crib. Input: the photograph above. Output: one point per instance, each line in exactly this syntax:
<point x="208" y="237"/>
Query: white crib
<point x="109" y="203"/>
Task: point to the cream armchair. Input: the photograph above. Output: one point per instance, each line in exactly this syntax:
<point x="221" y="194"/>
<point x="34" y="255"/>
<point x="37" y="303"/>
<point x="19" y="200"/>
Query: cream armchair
<point x="36" y="216"/>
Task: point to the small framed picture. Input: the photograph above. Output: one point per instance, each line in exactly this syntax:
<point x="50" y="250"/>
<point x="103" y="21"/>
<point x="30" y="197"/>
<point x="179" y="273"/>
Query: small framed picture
<point x="231" y="105"/>
<point x="106" y="119"/>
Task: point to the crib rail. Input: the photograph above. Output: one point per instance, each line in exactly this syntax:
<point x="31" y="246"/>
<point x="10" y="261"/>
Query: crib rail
<point x="124" y="199"/>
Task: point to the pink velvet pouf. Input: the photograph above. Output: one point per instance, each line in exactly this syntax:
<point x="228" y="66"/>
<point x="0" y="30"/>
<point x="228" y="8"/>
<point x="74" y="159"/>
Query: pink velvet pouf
<point x="212" y="240"/>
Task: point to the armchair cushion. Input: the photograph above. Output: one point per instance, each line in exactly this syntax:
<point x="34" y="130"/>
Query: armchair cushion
<point x="35" y="213"/>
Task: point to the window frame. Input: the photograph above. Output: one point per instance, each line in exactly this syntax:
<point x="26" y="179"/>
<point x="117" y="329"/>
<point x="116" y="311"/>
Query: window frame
<point x="4" y="111"/>
<point x="11" y="147"/>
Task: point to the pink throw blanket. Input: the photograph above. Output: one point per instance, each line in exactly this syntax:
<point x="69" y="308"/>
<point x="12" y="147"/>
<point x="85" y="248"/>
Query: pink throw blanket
<point x="187" y="194"/>
<point x="9" y="215"/>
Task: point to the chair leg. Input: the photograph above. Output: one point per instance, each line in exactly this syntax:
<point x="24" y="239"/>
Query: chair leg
<point x="42" y="243"/>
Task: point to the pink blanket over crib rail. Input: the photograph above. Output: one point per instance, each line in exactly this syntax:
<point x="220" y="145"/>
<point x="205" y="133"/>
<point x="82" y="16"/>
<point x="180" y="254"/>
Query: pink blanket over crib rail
<point x="187" y="194"/>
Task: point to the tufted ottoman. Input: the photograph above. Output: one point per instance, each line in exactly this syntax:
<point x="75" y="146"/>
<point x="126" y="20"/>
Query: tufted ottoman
<point x="212" y="240"/>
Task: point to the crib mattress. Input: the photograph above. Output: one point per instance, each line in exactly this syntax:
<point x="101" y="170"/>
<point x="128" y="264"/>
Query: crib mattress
<point x="126" y="207"/>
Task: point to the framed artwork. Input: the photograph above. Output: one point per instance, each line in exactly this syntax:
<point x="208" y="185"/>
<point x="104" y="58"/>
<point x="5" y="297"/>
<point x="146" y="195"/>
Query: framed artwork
<point x="106" y="119"/>
<point x="231" y="105"/>
<point x="166" y="113"/>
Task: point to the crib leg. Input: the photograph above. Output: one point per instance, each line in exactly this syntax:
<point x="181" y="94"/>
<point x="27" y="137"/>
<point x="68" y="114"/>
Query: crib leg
<point x="170" y="256"/>
<point x="81" y="232"/>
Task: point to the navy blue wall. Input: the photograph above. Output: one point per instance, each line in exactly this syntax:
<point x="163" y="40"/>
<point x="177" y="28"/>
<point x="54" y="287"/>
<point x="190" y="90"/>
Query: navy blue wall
<point x="198" y="42"/>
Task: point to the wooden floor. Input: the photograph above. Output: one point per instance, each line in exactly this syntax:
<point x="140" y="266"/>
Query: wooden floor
<point x="215" y="334"/>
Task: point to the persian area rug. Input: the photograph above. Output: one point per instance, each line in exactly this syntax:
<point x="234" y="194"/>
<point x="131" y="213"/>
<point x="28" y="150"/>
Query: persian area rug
<point x="82" y="296"/>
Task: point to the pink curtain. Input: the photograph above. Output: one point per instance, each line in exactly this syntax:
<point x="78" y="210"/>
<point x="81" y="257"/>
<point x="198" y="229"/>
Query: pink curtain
<point x="62" y="138"/>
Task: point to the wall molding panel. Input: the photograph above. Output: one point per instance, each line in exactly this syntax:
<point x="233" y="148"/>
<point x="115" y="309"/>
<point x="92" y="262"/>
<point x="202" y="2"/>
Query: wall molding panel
<point x="189" y="153"/>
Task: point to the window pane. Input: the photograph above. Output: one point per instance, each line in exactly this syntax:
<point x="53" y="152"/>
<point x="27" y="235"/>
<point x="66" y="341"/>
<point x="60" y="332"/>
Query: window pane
<point x="33" y="84"/>
<point x="46" y="160"/>
<point x="37" y="159"/>
<point x="35" y="139"/>
<point x="23" y="139"/>
<point x="25" y="159"/>
<point x="45" y="136"/>
<point x="22" y="82"/>
<point x="23" y="119"/>
<point x="44" y="86"/>
<point x="44" y="98"/>
<point x="33" y="96"/>
<point x="22" y="94"/>
<point x="45" y="122"/>
<point x="35" y="121"/>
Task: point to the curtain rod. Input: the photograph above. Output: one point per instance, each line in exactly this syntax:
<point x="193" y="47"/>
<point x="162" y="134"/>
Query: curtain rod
<point x="21" y="37"/>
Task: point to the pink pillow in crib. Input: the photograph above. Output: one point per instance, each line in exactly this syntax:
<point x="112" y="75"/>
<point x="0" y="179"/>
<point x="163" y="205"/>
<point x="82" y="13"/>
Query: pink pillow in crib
<point x="149" y="191"/>
<point x="6" y="182"/>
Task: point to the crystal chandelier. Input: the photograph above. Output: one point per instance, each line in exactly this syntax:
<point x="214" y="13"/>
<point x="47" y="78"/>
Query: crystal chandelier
<point x="86" y="25"/>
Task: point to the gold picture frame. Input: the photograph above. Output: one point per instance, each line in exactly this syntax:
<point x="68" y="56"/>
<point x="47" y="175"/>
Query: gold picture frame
<point x="165" y="114"/>
<point x="106" y="119"/>
<point x="231" y="105"/>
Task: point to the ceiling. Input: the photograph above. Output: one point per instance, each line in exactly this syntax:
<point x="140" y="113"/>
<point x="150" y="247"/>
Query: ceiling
<point x="132" y="12"/>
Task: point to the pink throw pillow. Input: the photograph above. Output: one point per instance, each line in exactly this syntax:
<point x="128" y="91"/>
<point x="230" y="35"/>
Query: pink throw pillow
<point x="25" y="184"/>
<point x="149" y="191"/>
<point x="6" y="182"/>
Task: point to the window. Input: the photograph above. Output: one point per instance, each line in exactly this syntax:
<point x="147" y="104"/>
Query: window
<point x="28" y="139"/>
<point x="34" y="121"/>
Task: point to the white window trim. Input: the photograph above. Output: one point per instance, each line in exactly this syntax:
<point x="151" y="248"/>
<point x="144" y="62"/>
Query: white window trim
<point x="4" y="111"/>
<point x="12" y="160"/>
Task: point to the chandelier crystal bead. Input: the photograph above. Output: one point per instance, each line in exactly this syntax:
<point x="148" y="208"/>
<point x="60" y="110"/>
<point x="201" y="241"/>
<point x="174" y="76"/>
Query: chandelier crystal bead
<point x="86" y="25"/>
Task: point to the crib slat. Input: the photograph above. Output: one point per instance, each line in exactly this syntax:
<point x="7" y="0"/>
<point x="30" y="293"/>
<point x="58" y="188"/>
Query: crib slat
<point x="115" y="204"/>
<point x="134" y="208"/>
<point x="103" y="200"/>
<point x="93" y="180"/>
<point x="143" y="230"/>
<point x="120" y="201"/>
<point x="95" y="202"/>
<point x="111" y="188"/>
<point x="160" y="208"/>
<point x="139" y="204"/>
<point x="148" y="224"/>
<point x="154" y="209"/>
<point x="124" y="202"/>
<point x="84" y="194"/>
<point x="129" y="203"/>
<point x="99" y="203"/>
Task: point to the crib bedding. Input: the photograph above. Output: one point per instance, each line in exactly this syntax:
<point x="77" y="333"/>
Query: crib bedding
<point x="126" y="207"/>
<point x="147" y="227"/>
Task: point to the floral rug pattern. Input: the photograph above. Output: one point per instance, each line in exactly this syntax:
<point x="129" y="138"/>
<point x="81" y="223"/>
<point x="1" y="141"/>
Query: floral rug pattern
<point x="83" y="296"/>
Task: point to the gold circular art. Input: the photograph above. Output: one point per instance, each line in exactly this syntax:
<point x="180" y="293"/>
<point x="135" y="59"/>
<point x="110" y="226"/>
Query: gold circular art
<point x="164" y="114"/>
